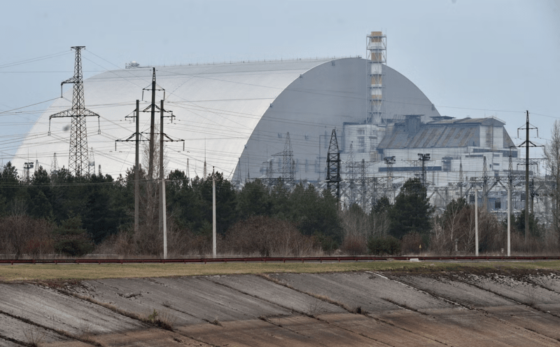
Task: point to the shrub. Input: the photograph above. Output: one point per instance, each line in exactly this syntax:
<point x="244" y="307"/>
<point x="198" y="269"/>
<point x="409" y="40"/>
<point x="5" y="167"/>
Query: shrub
<point x="354" y="245"/>
<point x="22" y="234"/>
<point x="71" y="239"/>
<point x="413" y="243"/>
<point x="328" y="244"/>
<point x="381" y="245"/>
<point x="268" y="236"/>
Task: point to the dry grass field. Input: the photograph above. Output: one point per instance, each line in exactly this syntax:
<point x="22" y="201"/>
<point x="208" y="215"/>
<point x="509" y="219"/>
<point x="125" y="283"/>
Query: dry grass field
<point x="45" y="272"/>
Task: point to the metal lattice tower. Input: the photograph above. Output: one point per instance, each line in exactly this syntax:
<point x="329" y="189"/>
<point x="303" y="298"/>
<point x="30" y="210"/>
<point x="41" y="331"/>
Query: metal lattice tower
<point x="78" y="162"/>
<point x="54" y="164"/>
<point x="269" y="164"/>
<point x="333" y="167"/>
<point x="91" y="162"/>
<point x="288" y="164"/>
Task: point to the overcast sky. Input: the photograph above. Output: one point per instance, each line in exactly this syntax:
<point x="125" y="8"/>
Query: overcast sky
<point x="471" y="58"/>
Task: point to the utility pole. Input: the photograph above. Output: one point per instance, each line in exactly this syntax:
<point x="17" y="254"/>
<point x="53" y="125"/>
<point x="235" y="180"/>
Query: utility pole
<point x="27" y="166"/>
<point x="374" y="195"/>
<point x="78" y="157"/>
<point x="510" y="179"/>
<point x="351" y="174"/>
<point x="527" y="177"/>
<point x="152" y="125"/>
<point x="137" y="170"/>
<point x="509" y="223"/>
<point x="137" y="139"/>
<point x="533" y="193"/>
<point x="389" y="161"/>
<point x="163" y="205"/>
<point x="213" y="214"/>
<point x="527" y="143"/>
<point x="363" y="191"/>
<point x="476" y="222"/>
<point x="461" y="179"/>
<point x="484" y="184"/>
<point x="424" y="158"/>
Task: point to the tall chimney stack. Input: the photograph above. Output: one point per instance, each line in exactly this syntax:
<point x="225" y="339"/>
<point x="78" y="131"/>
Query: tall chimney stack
<point x="377" y="53"/>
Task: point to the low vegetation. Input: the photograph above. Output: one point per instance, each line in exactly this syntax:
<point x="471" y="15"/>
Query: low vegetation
<point x="48" y="273"/>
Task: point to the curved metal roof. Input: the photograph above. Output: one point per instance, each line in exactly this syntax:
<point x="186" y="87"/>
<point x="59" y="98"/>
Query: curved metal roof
<point x="231" y="115"/>
<point x="216" y="107"/>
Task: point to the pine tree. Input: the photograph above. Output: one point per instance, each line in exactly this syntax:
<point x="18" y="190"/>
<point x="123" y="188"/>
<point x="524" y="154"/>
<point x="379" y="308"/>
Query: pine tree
<point x="71" y="239"/>
<point x="411" y="211"/>
<point x="254" y="200"/>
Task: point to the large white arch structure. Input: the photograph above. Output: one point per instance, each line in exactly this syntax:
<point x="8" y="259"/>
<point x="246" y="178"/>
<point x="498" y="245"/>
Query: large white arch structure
<point x="233" y="115"/>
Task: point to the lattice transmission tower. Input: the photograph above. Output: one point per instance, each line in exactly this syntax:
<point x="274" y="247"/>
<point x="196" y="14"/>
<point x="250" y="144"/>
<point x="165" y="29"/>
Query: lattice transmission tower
<point x="333" y="167"/>
<point x="288" y="163"/>
<point x="78" y="159"/>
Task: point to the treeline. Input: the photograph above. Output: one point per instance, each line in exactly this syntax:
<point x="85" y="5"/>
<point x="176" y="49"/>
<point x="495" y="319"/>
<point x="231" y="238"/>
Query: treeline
<point x="81" y="213"/>
<point x="58" y="213"/>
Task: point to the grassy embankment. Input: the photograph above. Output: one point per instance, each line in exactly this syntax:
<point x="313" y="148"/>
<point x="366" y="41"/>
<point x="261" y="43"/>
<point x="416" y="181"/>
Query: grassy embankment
<point x="11" y="273"/>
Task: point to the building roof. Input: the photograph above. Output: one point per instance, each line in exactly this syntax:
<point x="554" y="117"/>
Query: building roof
<point x="478" y="121"/>
<point x="445" y="133"/>
<point x="217" y="107"/>
<point x="233" y="116"/>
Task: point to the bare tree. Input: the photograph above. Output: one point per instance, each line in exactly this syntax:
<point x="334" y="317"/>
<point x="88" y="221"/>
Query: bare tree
<point x="357" y="227"/>
<point x="552" y="154"/>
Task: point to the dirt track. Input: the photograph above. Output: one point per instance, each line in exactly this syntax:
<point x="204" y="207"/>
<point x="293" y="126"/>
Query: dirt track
<point x="519" y="308"/>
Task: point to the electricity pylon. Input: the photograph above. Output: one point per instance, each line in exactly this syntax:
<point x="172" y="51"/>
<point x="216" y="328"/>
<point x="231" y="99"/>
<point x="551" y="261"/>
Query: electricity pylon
<point x="333" y="167"/>
<point x="78" y="161"/>
<point x="288" y="163"/>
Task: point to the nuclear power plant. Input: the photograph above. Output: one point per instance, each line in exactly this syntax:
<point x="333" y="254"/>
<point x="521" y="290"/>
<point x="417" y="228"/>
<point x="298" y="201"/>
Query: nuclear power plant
<point x="276" y="119"/>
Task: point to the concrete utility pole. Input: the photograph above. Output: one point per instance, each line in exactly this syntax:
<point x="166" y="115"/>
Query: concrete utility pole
<point x="213" y="214"/>
<point x="137" y="139"/>
<point x="137" y="171"/>
<point x="527" y="144"/>
<point x="163" y="205"/>
<point x="527" y="177"/>
<point x="461" y="179"/>
<point x="509" y="223"/>
<point x="510" y="179"/>
<point x="152" y="126"/>
<point x="363" y="191"/>
<point x="476" y="222"/>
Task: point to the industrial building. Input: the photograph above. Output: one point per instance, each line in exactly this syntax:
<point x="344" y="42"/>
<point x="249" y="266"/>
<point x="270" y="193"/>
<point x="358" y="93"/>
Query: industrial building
<point x="270" y="119"/>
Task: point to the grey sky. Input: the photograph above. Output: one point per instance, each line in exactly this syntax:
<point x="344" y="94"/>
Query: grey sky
<point x="471" y="58"/>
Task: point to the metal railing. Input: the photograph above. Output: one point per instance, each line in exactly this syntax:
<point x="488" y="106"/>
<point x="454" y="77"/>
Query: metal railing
<point x="273" y="259"/>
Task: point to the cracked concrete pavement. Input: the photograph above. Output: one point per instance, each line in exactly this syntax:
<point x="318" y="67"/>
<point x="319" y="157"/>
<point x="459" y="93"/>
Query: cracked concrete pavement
<point x="287" y="309"/>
